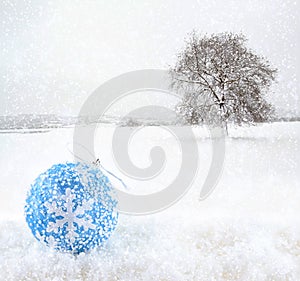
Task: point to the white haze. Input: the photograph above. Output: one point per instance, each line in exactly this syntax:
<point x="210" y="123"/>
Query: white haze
<point x="54" y="54"/>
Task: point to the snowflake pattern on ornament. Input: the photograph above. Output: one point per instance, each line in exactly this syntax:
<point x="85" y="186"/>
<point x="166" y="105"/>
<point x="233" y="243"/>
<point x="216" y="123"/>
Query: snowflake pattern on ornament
<point x="69" y="216"/>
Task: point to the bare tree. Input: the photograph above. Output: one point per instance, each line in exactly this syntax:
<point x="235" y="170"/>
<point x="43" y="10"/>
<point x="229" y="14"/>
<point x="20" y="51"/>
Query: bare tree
<point x="223" y="81"/>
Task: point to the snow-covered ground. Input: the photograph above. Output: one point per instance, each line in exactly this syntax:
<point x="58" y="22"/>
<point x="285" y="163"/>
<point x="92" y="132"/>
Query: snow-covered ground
<point x="248" y="229"/>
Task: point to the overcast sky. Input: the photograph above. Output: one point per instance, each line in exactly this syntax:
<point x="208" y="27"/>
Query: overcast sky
<point x="54" y="54"/>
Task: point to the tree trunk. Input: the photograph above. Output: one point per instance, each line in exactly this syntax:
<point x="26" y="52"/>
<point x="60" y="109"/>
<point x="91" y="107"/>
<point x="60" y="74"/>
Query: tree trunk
<point x="226" y="128"/>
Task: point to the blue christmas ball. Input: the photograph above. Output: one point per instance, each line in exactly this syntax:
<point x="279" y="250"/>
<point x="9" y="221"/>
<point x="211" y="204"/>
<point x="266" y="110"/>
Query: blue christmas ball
<point x="71" y="207"/>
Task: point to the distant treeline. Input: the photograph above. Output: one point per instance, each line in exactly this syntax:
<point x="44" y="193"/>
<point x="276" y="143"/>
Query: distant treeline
<point x="44" y="121"/>
<point x="286" y="119"/>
